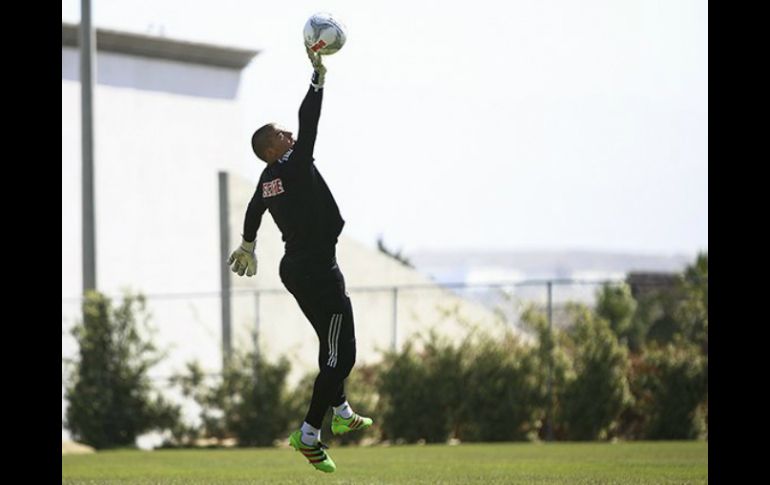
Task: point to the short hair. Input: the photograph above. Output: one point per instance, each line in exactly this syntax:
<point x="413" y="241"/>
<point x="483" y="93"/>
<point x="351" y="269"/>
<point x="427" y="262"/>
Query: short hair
<point x="260" y="141"/>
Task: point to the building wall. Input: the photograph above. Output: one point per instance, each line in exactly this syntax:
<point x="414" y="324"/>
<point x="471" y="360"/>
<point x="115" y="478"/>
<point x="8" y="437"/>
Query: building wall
<point x="157" y="153"/>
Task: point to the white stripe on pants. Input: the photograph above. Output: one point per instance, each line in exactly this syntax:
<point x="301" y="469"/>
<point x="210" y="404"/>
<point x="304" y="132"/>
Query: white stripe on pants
<point x="333" y="338"/>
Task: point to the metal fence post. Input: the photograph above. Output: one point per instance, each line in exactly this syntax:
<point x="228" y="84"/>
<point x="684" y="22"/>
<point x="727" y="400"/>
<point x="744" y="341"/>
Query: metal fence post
<point x="256" y="323"/>
<point x="88" y="50"/>
<point x="224" y="269"/>
<point x="549" y="435"/>
<point x="395" y="319"/>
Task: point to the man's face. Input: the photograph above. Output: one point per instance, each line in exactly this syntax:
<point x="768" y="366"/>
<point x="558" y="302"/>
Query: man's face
<point x="282" y="140"/>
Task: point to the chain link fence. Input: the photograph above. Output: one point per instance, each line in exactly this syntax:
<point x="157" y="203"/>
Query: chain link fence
<point x="188" y="327"/>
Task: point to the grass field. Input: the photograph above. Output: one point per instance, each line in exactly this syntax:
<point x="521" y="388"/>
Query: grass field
<point x="525" y="463"/>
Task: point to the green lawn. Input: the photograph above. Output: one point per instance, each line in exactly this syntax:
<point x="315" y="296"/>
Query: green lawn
<point x="525" y="463"/>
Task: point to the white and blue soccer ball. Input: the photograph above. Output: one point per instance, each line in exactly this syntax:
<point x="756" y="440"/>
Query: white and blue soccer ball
<point x="324" y="34"/>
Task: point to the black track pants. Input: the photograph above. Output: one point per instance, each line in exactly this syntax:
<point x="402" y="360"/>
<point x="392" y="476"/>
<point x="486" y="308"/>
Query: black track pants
<point x="319" y="287"/>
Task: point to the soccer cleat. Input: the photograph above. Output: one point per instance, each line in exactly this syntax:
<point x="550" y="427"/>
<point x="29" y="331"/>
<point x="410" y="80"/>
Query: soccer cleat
<point x="314" y="454"/>
<point x="341" y="425"/>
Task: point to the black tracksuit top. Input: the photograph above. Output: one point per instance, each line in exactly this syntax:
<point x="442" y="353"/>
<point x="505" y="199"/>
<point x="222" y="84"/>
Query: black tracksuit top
<point x="296" y="195"/>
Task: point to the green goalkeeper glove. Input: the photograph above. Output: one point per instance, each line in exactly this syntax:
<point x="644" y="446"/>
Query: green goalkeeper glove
<point x="319" y="74"/>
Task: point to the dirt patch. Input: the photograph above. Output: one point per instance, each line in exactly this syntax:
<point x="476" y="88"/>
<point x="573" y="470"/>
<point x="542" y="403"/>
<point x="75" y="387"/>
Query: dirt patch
<point x="73" y="448"/>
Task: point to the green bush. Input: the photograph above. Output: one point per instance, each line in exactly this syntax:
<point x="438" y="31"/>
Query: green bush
<point x="482" y="389"/>
<point x="615" y="304"/>
<point x="250" y="402"/>
<point x="502" y="396"/>
<point x="421" y="392"/>
<point x="111" y="399"/>
<point x="693" y="311"/>
<point x="670" y="384"/>
<point x="552" y="364"/>
<point x="597" y="392"/>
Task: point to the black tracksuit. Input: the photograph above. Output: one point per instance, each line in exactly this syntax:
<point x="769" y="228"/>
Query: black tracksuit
<point x="304" y="210"/>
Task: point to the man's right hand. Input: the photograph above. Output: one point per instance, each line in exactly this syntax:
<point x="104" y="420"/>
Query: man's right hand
<point x="320" y="70"/>
<point x="243" y="260"/>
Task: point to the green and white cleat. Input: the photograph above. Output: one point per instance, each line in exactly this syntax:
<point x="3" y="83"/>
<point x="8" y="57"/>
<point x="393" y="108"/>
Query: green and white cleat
<point x="314" y="454"/>
<point x="341" y="425"/>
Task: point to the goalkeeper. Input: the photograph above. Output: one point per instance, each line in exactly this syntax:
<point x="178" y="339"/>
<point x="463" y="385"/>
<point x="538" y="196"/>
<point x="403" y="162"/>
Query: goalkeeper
<point x="303" y="208"/>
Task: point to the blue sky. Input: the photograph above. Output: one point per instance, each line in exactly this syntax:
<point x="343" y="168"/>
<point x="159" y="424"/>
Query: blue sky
<point x="536" y="124"/>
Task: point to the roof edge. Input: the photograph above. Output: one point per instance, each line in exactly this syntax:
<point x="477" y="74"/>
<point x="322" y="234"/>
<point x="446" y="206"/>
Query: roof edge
<point x="161" y="47"/>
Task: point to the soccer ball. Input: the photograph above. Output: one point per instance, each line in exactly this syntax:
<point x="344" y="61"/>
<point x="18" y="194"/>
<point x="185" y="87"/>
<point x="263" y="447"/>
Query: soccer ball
<point x="324" y="34"/>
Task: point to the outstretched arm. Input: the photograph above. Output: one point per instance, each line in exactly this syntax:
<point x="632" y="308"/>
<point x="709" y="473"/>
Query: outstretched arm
<point x="310" y="110"/>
